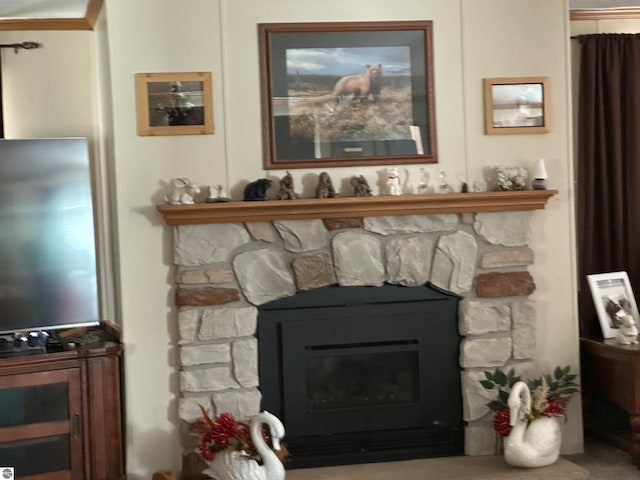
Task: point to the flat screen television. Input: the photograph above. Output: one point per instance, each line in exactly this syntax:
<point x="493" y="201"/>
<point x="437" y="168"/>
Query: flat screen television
<point x="47" y="239"/>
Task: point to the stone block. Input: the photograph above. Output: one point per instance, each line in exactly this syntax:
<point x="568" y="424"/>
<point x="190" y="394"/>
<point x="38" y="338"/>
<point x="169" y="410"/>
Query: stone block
<point x="507" y="257"/>
<point x="188" y="324"/>
<point x="203" y="296"/>
<point x="476" y="317"/>
<point x="342" y="223"/>
<point x="358" y="259"/>
<point x="454" y="262"/>
<point x="242" y="404"/>
<point x="485" y="352"/>
<point x="207" y="379"/>
<point x="302" y="235"/>
<point x="503" y="228"/>
<point x="504" y="284"/>
<point x="208" y="243"/>
<point x="263" y="275"/>
<point x="225" y="323"/>
<point x="313" y="271"/>
<point x="409" y="260"/>
<point x="245" y="362"/>
<point x="202" y="354"/>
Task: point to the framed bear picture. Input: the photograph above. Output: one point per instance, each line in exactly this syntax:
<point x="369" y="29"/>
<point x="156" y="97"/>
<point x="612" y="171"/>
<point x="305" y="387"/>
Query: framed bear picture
<point x="347" y="93"/>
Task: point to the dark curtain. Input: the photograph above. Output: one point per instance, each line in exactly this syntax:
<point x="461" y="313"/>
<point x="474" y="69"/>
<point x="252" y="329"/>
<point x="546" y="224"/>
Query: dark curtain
<point x="608" y="164"/>
<point x="1" y="109"/>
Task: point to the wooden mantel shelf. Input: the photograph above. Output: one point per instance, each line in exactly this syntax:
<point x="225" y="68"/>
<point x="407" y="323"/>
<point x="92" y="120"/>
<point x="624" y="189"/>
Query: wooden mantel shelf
<point x="344" y="207"/>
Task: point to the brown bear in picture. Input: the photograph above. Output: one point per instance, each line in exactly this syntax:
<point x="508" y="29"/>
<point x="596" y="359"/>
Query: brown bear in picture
<point x="365" y="85"/>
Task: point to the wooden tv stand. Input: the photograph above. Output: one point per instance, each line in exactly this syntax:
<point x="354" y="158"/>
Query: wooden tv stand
<point x="613" y="372"/>
<point x="61" y="414"/>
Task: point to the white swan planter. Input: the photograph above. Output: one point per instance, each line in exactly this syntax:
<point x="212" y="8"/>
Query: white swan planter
<point x="536" y="444"/>
<point x="230" y="465"/>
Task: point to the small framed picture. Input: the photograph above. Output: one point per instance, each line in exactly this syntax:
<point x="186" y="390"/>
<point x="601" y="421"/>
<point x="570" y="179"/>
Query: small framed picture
<point x="516" y="105"/>
<point x="174" y="103"/>
<point x="613" y="298"/>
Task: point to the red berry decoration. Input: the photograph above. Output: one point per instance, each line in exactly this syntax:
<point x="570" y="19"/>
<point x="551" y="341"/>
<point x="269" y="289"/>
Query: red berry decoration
<point x="501" y="422"/>
<point x="554" y="408"/>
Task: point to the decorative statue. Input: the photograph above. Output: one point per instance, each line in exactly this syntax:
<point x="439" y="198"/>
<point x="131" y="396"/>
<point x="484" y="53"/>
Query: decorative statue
<point x="393" y="181"/>
<point x="257" y="190"/>
<point x="229" y="465"/>
<point x="360" y="186"/>
<point x="530" y="444"/>
<point x="627" y="331"/>
<point x="325" y="187"/>
<point x="286" y="191"/>
<point x="219" y="196"/>
<point x="183" y="192"/>
<point x="424" y="186"/>
<point x="443" y="186"/>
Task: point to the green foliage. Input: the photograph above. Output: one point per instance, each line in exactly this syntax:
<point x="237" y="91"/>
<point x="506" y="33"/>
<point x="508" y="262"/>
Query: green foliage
<point x="561" y="384"/>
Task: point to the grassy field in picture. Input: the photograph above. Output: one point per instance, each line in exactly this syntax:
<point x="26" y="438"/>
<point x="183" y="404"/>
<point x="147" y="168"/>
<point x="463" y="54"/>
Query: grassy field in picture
<point x="312" y="104"/>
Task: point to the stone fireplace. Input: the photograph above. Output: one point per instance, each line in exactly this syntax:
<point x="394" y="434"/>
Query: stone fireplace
<point x="226" y="271"/>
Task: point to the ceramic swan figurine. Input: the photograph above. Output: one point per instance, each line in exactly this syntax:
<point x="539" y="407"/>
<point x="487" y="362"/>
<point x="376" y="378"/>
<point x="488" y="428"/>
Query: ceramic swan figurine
<point x="536" y="444"/>
<point x="229" y="465"/>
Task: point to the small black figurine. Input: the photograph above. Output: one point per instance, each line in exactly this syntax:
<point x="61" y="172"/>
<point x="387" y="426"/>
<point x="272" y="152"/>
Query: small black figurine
<point x="286" y="191"/>
<point x="360" y="187"/>
<point x="257" y="190"/>
<point x="325" y="187"/>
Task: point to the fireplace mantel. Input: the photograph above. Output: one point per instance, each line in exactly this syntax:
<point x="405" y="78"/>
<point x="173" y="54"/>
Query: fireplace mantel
<point x="345" y="207"/>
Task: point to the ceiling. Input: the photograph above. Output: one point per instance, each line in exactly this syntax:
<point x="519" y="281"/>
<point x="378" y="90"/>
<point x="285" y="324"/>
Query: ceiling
<point x="81" y="14"/>
<point x="48" y="14"/>
<point x="14" y="9"/>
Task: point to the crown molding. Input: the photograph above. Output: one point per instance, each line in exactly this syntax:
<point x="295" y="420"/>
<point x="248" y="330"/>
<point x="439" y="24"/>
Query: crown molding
<point x="86" y="23"/>
<point x="605" y="13"/>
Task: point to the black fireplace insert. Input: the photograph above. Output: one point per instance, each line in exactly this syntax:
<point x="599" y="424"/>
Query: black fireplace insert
<point x="363" y="374"/>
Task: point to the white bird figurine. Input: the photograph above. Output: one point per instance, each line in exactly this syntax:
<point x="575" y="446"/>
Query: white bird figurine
<point x="535" y="444"/>
<point x="231" y="465"/>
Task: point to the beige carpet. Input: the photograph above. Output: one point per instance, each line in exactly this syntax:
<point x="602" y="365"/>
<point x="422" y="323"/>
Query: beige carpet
<point x="451" y="468"/>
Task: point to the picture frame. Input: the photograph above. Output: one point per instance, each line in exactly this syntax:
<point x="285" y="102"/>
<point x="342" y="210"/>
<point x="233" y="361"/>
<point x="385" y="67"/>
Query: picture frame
<point x="347" y="94"/>
<point x="612" y="292"/>
<point x="516" y="105"/>
<point x="174" y="103"/>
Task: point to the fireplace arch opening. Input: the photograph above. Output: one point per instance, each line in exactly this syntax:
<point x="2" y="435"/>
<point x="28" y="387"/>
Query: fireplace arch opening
<point x="363" y="374"/>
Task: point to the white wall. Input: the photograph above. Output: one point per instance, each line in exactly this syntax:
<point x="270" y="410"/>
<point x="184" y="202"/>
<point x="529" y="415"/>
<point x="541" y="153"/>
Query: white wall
<point x="472" y="39"/>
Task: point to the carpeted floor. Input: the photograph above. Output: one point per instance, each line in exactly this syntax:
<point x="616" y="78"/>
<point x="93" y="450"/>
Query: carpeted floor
<point x="605" y="462"/>
<point x="598" y="462"/>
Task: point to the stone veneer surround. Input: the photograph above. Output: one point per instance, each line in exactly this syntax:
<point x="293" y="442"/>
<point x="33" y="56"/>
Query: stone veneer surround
<point x="226" y="270"/>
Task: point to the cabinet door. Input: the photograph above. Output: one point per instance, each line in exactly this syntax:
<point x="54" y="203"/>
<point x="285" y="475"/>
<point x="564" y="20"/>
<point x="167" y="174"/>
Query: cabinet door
<point x="41" y="424"/>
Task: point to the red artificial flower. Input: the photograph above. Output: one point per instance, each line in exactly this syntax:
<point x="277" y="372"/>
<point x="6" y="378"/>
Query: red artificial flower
<point x="501" y="422"/>
<point x="224" y="427"/>
<point x="554" y="408"/>
<point x="223" y="433"/>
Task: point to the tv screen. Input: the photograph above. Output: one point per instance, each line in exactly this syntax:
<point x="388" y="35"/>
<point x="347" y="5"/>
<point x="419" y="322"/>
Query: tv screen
<point x="47" y="240"/>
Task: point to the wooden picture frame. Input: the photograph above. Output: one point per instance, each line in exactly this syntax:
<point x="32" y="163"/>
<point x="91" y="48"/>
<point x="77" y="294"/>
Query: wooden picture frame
<point x="174" y="103"/>
<point x="612" y="294"/>
<point x="517" y="105"/>
<point x="367" y="98"/>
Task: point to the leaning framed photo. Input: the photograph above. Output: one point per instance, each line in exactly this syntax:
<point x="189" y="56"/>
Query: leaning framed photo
<point x="174" y="103"/>
<point x="613" y="298"/>
<point x="516" y="105"/>
<point x="347" y="93"/>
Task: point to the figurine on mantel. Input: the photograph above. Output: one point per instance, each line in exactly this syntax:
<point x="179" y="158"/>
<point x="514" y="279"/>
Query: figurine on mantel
<point x="360" y="186"/>
<point x="219" y="196"/>
<point x="257" y="190"/>
<point x="286" y="191"/>
<point x="393" y="181"/>
<point x="325" y="187"/>
<point x="183" y="192"/>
